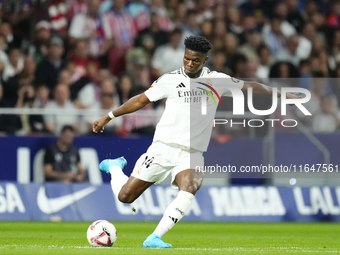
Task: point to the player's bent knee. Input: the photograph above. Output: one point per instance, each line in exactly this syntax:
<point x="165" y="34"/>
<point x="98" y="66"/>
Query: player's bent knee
<point x="126" y="198"/>
<point x="191" y="187"/>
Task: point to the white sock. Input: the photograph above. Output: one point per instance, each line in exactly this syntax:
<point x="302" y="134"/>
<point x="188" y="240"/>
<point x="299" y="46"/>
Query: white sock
<point x="118" y="179"/>
<point x="175" y="212"/>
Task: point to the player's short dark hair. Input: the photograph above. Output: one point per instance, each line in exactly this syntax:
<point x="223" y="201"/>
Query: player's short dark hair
<point x="67" y="128"/>
<point x="197" y="43"/>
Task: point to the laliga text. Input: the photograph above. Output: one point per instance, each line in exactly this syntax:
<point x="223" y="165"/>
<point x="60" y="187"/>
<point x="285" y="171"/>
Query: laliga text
<point x="303" y="168"/>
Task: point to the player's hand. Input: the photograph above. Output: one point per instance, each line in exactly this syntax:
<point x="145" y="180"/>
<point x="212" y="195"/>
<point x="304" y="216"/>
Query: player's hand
<point x="98" y="125"/>
<point x="293" y="95"/>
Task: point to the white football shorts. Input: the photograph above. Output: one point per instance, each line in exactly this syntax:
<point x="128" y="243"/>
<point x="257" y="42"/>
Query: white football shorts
<point x="162" y="159"/>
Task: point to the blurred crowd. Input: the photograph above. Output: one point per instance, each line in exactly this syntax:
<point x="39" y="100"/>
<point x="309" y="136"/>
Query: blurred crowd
<point x="96" y="54"/>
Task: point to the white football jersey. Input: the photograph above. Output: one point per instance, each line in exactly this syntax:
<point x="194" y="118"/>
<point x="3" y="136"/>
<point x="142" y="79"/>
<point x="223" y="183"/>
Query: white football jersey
<point x="182" y="122"/>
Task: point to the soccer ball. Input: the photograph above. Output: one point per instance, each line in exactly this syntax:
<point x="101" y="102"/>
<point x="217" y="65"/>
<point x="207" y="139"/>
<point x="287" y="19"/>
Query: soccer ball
<point x="101" y="233"/>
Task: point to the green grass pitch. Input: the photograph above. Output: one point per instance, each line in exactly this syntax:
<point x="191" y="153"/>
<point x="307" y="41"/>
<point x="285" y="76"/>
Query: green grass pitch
<point x="186" y="237"/>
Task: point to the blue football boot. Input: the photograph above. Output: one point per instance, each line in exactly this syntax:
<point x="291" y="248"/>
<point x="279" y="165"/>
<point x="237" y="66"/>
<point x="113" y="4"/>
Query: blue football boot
<point x="154" y="241"/>
<point x="105" y="165"/>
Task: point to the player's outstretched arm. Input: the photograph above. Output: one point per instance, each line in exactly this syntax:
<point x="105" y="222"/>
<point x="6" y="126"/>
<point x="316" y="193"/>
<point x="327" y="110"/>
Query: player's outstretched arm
<point x="264" y="90"/>
<point x="133" y="104"/>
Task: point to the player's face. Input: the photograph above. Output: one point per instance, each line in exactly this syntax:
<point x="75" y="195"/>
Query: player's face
<point x="193" y="62"/>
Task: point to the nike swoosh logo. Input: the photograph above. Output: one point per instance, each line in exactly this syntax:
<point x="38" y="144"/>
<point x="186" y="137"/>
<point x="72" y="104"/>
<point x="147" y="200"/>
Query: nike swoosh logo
<point x="53" y="205"/>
